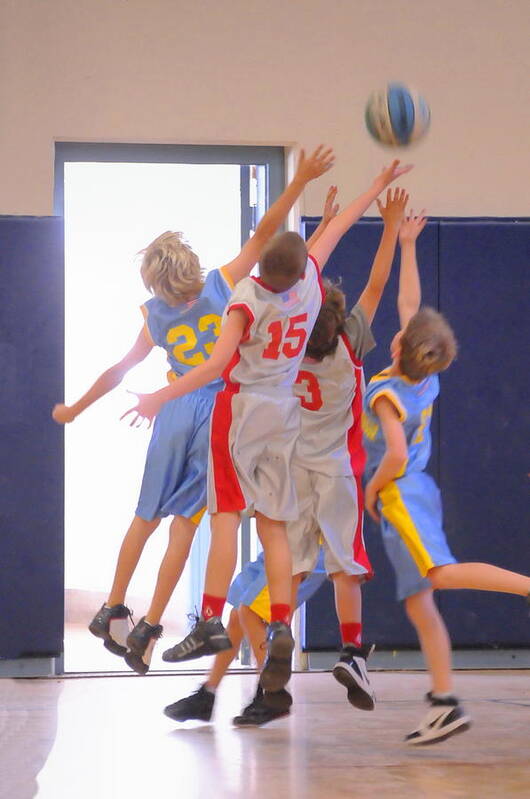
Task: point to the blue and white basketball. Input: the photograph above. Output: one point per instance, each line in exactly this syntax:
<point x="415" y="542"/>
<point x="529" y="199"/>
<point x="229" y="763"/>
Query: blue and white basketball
<point x="397" y="115"/>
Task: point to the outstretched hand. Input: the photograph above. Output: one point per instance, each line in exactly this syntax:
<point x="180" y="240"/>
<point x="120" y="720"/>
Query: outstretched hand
<point x="315" y="165"/>
<point x="147" y="407"/>
<point x="394" y="210"/>
<point x="411" y="226"/>
<point x="331" y="208"/>
<point x="391" y="173"/>
<point x="63" y="414"/>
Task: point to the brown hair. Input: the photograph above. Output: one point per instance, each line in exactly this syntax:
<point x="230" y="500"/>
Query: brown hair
<point x="171" y="270"/>
<point x="324" y="337"/>
<point x="283" y="261"/>
<point x="428" y="345"/>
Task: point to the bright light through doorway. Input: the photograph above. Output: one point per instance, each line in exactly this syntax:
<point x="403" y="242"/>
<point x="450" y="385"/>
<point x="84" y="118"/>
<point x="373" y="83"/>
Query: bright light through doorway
<point x="112" y="211"/>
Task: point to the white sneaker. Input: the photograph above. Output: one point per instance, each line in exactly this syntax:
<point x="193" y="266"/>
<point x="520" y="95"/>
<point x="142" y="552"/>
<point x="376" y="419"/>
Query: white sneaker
<point x="445" y="718"/>
<point x="350" y="671"/>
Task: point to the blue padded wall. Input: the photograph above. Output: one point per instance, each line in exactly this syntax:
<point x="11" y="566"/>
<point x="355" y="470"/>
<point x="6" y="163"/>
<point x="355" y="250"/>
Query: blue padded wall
<point x="31" y="456"/>
<point x="485" y="413"/>
<point x="476" y="272"/>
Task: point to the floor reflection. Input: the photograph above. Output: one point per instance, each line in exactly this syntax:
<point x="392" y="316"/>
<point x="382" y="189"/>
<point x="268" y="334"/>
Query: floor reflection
<point x="107" y="738"/>
<point x="28" y="728"/>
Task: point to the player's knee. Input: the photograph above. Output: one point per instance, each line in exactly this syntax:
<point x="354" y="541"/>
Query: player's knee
<point x="436" y="577"/>
<point x="410" y="609"/>
<point x="245" y="613"/>
<point x="234" y="622"/>
<point x="341" y="576"/>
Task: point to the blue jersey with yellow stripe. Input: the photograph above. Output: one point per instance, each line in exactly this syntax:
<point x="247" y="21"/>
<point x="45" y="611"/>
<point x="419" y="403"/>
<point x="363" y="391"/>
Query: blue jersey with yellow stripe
<point x="189" y="330"/>
<point x="413" y="402"/>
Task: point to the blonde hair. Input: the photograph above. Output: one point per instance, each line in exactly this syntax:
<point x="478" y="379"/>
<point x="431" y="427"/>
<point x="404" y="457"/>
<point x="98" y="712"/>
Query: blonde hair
<point x="171" y="270"/>
<point x="428" y="345"/>
<point x="329" y="325"/>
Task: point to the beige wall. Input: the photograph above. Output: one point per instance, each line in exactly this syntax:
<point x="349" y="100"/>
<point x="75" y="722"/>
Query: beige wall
<point x="280" y="72"/>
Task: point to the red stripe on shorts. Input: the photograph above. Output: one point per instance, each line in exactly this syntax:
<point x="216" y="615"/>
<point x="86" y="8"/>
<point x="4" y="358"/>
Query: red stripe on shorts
<point x="360" y="554"/>
<point x="228" y="494"/>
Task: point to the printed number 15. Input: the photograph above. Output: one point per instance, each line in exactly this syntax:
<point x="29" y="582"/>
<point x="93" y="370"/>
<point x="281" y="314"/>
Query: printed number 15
<point x="290" y="343"/>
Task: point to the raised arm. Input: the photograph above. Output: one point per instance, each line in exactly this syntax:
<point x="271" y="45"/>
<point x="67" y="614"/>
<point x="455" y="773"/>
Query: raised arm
<point x="331" y="209"/>
<point x="392" y="214"/>
<point x="110" y="378"/>
<point x="343" y="221"/>
<point x="409" y="295"/>
<point x="149" y="405"/>
<point x="308" y="169"/>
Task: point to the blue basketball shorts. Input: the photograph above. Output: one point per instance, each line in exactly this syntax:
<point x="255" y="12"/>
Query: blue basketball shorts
<point x="413" y="536"/>
<point x="176" y="466"/>
<point x="250" y="587"/>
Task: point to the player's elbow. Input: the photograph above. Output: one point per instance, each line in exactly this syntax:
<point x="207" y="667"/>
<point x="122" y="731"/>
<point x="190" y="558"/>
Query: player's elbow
<point x="407" y="309"/>
<point x="215" y="367"/>
<point x="397" y="457"/>
<point x="114" y="375"/>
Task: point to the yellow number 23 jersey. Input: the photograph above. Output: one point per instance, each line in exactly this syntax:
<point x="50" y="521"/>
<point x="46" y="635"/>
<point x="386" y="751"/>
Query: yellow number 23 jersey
<point x="189" y="330"/>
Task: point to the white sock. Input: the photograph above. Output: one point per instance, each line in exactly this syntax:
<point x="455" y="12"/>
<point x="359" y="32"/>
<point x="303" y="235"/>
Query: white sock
<point x="210" y="688"/>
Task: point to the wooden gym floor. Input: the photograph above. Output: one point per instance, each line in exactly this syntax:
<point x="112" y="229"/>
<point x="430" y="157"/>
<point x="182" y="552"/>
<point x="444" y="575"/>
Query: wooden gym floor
<point x="106" y="738"/>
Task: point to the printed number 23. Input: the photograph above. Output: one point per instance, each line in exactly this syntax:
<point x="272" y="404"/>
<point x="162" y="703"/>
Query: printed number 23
<point x="290" y="343"/>
<point x="184" y="339"/>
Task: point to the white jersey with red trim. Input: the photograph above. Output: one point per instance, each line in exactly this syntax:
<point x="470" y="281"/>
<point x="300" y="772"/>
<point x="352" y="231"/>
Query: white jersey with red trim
<point x="331" y="393"/>
<point x="279" y="324"/>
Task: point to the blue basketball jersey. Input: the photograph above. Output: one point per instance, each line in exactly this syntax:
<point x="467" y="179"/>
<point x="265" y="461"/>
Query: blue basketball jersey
<point x="413" y="402"/>
<point x="188" y="331"/>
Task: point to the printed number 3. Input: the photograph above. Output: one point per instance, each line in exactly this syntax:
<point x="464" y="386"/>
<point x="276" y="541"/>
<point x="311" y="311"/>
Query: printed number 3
<point x="310" y="385"/>
<point x="289" y="344"/>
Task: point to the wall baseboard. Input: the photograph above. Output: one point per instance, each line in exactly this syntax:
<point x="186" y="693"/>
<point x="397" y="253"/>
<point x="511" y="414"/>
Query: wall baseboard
<point x="405" y="660"/>
<point x="31" y="667"/>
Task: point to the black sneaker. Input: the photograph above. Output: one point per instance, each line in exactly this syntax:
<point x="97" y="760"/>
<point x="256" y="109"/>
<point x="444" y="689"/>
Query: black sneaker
<point x="206" y="638"/>
<point x="141" y="642"/>
<point x="112" y="625"/>
<point x="350" y="671"/>
<point x="266" y="706"/>
<point x="445" y="718"/>
<point x="198" y="705"/>
<point x="277" y="668"/>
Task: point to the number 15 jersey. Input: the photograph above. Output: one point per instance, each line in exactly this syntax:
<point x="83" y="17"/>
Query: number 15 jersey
<point x="278" y="326"/>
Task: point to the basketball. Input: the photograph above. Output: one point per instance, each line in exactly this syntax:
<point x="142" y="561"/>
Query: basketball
<point x="397" y="115"/>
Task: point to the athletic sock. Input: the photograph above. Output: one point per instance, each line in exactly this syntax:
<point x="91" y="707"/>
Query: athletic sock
<point x="212" y="606"/>
<point x="281" y="612"/>
<point x="210" y="688"/>
<point x="351" y="633"/>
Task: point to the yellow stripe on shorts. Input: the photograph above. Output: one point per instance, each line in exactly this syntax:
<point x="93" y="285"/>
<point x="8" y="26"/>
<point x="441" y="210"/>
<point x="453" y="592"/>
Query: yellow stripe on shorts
<point x="262" y="605"/>
<point x="198" y="516"/>
<point x="395" y="511"/>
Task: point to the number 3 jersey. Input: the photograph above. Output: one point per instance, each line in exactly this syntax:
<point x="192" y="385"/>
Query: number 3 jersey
<point x="413" y="402"/>
<point x="331" y="395"/>
<point x="275" y="338"/>
<point x="189" y="330"/>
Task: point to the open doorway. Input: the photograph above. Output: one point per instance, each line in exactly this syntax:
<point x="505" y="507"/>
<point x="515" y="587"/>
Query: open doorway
<point x="113" y="207"/>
